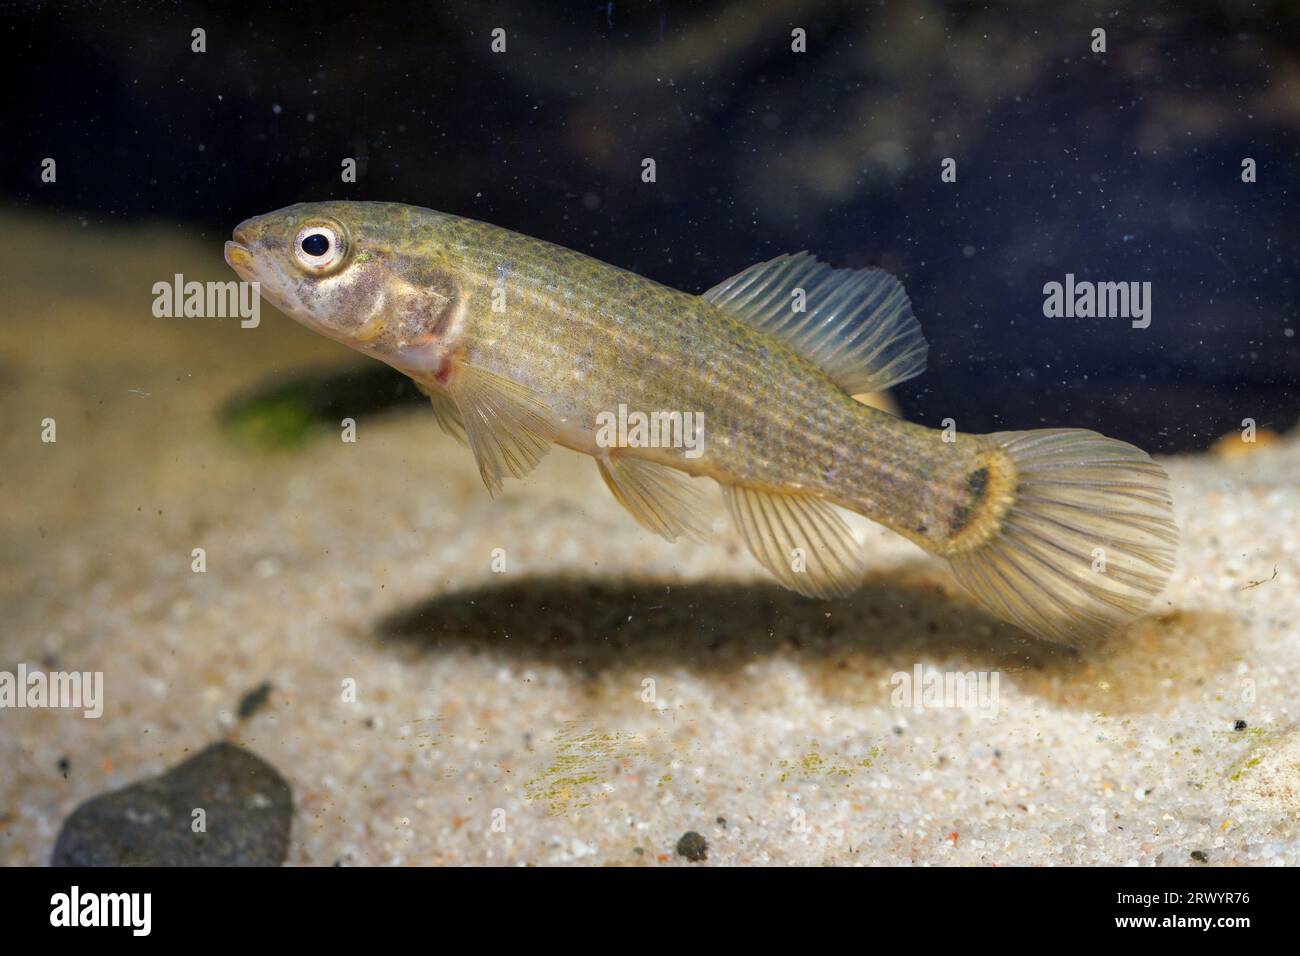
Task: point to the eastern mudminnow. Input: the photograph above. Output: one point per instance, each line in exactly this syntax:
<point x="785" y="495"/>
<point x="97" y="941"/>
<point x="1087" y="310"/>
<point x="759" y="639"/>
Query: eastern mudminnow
<point x="522" y="344"/>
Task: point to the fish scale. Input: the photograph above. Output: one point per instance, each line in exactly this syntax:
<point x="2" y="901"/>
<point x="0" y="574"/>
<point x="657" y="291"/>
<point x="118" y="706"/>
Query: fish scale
<point x="632" y="339"/>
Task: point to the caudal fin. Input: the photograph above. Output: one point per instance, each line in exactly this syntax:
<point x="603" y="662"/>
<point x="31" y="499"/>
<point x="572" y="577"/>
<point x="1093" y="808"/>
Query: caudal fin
<point x="1085" y="543"/>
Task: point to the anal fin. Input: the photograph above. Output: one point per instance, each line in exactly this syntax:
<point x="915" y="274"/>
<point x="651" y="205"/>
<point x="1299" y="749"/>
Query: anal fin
<point x="507" y="425"/>
<point x="802" y="540"/>
<point x="661" y="499"/>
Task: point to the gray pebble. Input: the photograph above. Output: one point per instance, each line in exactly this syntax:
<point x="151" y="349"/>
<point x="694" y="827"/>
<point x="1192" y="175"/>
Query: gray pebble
<point x="247" y="808"/>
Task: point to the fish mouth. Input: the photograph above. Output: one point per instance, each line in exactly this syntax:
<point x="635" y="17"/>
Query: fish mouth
<point x="238" y="256"/>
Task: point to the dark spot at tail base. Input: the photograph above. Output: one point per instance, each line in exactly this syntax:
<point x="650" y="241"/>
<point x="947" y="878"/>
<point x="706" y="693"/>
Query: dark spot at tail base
<point x="977" y="483"/>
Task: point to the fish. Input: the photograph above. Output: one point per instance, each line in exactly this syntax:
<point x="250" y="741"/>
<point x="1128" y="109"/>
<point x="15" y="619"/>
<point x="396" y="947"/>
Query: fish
<point x="521" y="345"/>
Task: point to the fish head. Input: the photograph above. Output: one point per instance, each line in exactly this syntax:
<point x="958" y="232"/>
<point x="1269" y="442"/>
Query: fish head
<point x="358" y="273"/>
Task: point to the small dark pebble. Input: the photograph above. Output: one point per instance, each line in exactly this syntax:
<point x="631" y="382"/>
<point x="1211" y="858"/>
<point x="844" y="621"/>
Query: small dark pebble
<point x="65" y="767"/>
<point x="639" y="850"/>
<point x="722" y="822"/>
<point x="247" y="805"/>
<point x="254" y="700"/>
<point x="1200" y="857"/>
<point x="1239" y="725"/>
<point x="693" y="846"/>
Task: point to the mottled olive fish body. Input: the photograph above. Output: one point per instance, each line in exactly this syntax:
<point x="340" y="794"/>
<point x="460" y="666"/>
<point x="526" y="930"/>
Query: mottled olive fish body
<point x="522" y="344"/>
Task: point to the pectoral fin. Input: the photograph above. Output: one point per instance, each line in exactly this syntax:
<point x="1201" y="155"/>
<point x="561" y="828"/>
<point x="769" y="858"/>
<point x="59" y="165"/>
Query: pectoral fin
<point x="508" y="426"/>
<point x="661" y="499"/>
<point x="446" y="413"/>
<point x="800" y="539"/>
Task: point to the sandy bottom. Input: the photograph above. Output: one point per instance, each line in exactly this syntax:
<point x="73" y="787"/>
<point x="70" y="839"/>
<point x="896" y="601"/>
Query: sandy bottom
<point x="606" y="692"/>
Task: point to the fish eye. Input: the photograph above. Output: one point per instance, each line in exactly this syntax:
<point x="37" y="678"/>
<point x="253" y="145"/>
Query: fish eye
<point x="316" y="244"/>
<point x="320" y="247"/>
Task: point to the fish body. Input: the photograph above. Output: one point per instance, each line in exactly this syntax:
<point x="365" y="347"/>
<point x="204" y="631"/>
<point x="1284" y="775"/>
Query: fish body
<point x="522" y="344"/>
<point x="596" y="336"/>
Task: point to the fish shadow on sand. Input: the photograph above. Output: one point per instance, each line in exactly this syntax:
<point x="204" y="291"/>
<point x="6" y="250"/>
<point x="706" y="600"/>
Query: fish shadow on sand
<point x="849" y="648"/>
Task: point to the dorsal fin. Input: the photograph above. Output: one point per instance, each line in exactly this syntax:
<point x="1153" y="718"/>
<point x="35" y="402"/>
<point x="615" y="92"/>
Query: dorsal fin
<point x="857" y="324"/>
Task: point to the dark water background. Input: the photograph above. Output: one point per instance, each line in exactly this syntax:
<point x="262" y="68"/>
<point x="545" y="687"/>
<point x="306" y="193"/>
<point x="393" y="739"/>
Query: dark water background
<point x="1117" y="167"/>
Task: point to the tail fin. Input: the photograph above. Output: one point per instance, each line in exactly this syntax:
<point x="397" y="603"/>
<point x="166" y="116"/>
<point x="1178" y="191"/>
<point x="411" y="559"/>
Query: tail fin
<point x="1085" y="543"/>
